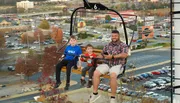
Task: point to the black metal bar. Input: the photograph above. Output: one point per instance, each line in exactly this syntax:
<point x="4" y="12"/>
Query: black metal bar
<point x="175" y="12"/>
<point x="176" y="94"/>
<point x="171" y="23"/>
<point x="176" y="78"/>
<point x="176" y="18"/>
<point x="175" y="33"/>
<point x="175" y="48"/>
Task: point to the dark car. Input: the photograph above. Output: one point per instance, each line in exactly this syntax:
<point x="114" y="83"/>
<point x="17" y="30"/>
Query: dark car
<point x="11" y="68"/>
<point x="144" y="75"/>
<point x="102" y="87"/>
<point x="129" y="93"/>
<point x="134" y="94"/>
<point x="137" y="78"/>
<point x="106" y="88"/>
<point x="125" y="80"/>
<point x="150" y="75"/>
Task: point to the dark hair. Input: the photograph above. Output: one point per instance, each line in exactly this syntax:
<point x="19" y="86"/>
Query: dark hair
<point x="73" y="37"/>
<point x="115" y="31"/>
<point x="89" y="45"/>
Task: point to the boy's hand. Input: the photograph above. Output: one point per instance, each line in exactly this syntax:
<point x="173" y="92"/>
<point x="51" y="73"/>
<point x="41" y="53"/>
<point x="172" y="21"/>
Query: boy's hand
<point x="91" y="57"/>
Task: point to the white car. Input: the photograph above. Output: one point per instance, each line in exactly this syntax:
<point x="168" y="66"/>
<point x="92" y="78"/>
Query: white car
<point x="33" y="47"/>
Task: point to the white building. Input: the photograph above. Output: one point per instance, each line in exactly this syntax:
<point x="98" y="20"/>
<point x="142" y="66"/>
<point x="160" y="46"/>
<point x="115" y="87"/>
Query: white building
<point x="25" y="4"/>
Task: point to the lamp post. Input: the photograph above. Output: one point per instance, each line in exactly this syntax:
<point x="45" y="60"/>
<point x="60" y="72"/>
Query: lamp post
<point x="25" y="53"/>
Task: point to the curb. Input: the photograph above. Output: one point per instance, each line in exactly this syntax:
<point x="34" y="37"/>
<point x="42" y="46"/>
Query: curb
<point x="134" y="51"/>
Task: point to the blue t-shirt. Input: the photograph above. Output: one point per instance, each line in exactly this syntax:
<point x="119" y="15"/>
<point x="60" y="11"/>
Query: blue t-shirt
<point x="72" y="51"/>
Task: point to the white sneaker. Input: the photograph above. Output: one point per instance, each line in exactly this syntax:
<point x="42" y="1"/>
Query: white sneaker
<point x="113" y="100"/>
<point x="93" y="98"/>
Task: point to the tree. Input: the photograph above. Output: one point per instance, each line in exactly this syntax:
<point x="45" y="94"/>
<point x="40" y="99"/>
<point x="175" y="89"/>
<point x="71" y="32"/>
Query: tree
<point x="27" y="66"/>
<point x="44" y="25"/>
<point x="57" y="34"/>
<point x="108" y="18"/>
<point x="2" y="40"/>
<point x="49" y="60"/>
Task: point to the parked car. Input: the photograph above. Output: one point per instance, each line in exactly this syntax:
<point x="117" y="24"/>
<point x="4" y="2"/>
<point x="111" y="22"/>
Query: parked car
<point x="156" y="73"/>
<point x="11" y="68"/>
<point x="149" y="84"/>
<point x="150" y="75"/>
<point x="144" y="75"/>
<point x="106" y="88"/>
<point x="158" y="81"/>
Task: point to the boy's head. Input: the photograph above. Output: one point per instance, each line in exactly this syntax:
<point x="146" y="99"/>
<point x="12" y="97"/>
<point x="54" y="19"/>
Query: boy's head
<point x="73" y="40"/>
<point x="89" y="48"/>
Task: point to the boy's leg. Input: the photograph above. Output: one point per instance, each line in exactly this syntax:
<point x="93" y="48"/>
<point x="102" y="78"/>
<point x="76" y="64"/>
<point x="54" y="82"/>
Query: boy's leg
<point x="83" y="73"/>
<point x="68" y="73"/>
<point x="101" y="69"/>
<point x="58" y="72"/>
<point x="90" y="71"/>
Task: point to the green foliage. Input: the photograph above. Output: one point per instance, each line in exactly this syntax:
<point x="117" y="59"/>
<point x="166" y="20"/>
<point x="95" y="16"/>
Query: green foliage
<point x="44" y="25"/>
<point x="99" y="47"/>
<point x="162" y="44"/>
<point x="133" y="27"/>
<point x="108" y="17"/>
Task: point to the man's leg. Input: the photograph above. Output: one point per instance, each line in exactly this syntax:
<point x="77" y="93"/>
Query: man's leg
<point x="101" y="69"/>
<point x="113" y="83"/>
<point x="58" y="72"/>
<point x="114" y="72"/>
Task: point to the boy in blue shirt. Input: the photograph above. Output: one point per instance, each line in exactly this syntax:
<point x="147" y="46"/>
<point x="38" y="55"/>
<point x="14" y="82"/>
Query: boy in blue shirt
<point x="71" y="52"/>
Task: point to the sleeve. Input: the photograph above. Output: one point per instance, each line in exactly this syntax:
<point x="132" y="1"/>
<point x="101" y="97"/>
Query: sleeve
<point x="124" y="48"/>
<point x="79" y="51"/>
<point x="94" y="55"/>
<point x="65" y="51"/>
<point x="104" y="49"/>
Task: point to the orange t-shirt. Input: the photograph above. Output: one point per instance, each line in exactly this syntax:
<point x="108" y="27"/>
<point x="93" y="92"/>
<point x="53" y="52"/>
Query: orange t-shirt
<point x="88" y="60"/>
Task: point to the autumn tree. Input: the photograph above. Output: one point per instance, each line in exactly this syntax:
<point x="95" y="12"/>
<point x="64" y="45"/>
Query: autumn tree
<point x="27" y="66"/>
<point x="49" y="60"/>
<point x="2" y="45"/>
<point x="57" y="34"/>
<point x="44" y="24"/>
<point x="38" y="35"/>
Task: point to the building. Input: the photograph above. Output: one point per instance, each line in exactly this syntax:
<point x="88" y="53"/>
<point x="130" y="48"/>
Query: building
<point x="25" y="4"/>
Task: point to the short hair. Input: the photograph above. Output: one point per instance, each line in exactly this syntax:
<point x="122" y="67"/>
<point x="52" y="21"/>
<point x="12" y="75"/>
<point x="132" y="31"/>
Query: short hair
<point x="115" y="31"/>
<point x="73" y="37"/>
<point x="89" y="45"/>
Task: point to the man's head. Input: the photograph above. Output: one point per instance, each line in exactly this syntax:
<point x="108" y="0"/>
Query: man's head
<point x="73" y="40"/>
<point x="89" y="48"/>
<point x="115" y="35"/>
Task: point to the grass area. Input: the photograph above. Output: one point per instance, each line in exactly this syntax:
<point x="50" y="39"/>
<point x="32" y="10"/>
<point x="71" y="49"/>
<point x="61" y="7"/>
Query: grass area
<point x="162" y="44"/>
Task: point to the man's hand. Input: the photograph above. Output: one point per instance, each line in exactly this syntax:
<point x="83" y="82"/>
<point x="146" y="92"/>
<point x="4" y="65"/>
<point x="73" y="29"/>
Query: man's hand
<point x="107" y="56"/>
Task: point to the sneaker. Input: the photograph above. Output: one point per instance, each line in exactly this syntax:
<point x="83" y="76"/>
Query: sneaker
<point x="112" y="100"/>
<point x="57" y="84"/>
<point x="66" y="87"/>
<point x="94" y="98"/>
<point x="83" y="82"/>
<point x="89" y="84"/>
